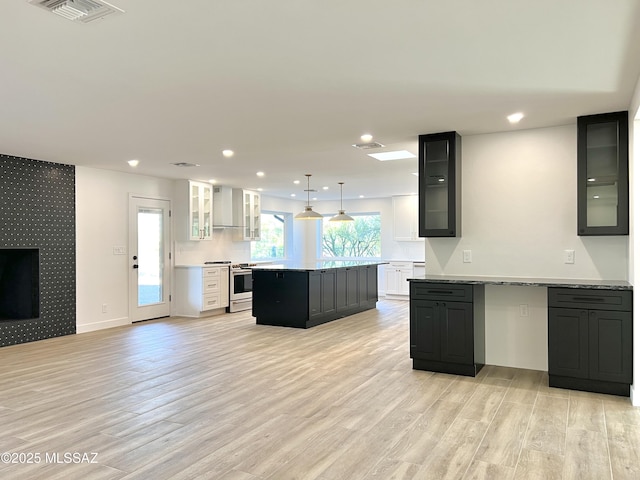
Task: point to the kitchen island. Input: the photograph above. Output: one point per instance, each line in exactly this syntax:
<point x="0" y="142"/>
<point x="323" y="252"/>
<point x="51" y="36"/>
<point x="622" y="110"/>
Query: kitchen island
<point x="303" y="295"/>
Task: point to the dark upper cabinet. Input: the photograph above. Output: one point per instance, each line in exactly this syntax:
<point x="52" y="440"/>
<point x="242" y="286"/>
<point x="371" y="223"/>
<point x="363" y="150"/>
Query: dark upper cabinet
<point x="439" y="185"/>
<point x="603" y="174"/>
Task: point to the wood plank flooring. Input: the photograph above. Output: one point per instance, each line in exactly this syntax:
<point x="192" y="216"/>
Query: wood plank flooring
<point x="226" y="399"/>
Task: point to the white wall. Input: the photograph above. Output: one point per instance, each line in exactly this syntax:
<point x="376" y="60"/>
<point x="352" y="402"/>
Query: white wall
<point x="102" y="206"/>
<point x="634" y="237"/>
<point x="519" y="214"/>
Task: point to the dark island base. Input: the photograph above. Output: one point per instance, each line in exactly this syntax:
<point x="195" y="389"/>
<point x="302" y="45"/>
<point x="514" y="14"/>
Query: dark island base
<point x="442" y="367"/>
<point x="285" y="320"/>
<point x="586" y="385"/>
<point x="303" y="299"/>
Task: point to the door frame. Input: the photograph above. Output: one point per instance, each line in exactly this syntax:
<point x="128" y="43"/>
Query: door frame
<point x="132" y="247"/>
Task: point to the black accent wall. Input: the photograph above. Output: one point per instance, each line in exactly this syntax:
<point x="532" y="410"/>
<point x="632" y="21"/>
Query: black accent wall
<point x="37" y="210"/>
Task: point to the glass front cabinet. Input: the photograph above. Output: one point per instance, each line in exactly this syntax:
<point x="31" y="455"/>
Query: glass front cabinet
<point x="603" y="174"/>
<point x="247" y="214"/>
<point x="200" y="210"/>
<point x="439" y="185"/>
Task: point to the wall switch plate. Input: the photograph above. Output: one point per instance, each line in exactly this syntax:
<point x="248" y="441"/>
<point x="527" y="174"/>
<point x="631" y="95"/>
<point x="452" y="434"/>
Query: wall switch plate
<point x="104" y="308"/>
<point x="119" y="250"/>
<point x="466" y="256"/>
<point x="569" y="256"/>
<point x="524" y="310"/>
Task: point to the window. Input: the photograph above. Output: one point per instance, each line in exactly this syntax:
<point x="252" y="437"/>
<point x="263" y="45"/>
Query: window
<point x="357" y="239"/>
<point x="271" y="243"/>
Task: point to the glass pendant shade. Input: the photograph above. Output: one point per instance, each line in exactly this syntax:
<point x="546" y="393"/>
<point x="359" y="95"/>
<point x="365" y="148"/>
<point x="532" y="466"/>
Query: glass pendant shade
<point x="308" y="213"/>
<point x="341" y="216"/>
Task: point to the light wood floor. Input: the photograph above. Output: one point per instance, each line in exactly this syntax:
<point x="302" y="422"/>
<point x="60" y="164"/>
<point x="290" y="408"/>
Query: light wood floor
<point x="226" y="399"/>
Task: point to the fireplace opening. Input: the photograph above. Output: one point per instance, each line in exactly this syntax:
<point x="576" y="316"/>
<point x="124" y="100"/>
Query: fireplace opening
<point x="19" y="283"/>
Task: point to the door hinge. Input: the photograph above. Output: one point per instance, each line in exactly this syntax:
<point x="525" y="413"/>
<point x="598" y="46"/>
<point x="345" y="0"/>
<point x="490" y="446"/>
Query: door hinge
<point x="169" y="297"/>
<point x="169" y="213"/>
<point x="169" y="255"/>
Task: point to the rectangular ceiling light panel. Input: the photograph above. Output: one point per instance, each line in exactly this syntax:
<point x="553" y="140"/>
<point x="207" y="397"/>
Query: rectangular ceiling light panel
<point x="397" y="155"/>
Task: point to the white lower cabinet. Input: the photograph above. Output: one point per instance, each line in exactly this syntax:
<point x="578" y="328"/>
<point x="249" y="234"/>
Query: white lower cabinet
<point x="199" y="290"/>
<point x="396" y="276"/>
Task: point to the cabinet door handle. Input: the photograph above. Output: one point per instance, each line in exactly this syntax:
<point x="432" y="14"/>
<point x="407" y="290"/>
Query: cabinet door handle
<point x="444" y="292"/>
<point x="588" y="299"/>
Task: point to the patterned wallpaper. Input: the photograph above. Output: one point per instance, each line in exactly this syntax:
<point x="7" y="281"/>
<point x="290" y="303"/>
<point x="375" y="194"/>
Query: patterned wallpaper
<point x="37" y="210"/>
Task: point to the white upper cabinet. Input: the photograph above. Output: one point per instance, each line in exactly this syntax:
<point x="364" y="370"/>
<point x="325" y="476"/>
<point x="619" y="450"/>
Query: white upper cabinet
<point x="200" y="210"/>
<point x="247" y="210"/>
<point x="405" y="218"/>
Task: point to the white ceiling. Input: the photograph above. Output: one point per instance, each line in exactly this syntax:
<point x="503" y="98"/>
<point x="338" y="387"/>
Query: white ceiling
<point x="290" y="85"/>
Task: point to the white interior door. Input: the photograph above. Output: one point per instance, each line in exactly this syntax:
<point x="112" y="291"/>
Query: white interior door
<point x="149" y="258"/>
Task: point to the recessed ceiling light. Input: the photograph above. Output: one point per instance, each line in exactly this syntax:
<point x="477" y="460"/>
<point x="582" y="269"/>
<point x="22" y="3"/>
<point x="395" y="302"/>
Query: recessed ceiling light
<point x="515" y="117"/>
<point x="259" y="189"/>
<point x="227" y="153"/>
<point x="325" y="188"/>
<point x="314" y="198"/>
<point x="133" y="163"/>
<point x="361" y="196"/>
<point x="293" y="194"/>
<point x="212" y="180"/>
<point x="296" y="182"/>
<point x="260" y="174"/>
<point x="596" y="196"/>
<point x="366" y="137"/>
<point x="396" y="155"/>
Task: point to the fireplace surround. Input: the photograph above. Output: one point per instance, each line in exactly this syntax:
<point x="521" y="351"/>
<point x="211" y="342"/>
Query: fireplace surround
<point x="37" y="228"/>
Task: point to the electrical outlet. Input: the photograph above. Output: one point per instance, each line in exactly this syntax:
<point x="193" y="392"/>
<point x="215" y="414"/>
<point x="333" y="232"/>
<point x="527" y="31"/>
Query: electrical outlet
<point x="524" y="310"/>
<point x="569" y="256"/>
<point x="466" y="256"/>
<point x="104" y="308"/>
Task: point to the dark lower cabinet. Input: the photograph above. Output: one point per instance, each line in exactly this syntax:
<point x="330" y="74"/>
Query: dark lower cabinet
<point x="303" y="299"/>
<point x="590" y="340"/>
<point x="347" y="294"/>
<point x="447" y="327"/>
<point x="322" y="293"/>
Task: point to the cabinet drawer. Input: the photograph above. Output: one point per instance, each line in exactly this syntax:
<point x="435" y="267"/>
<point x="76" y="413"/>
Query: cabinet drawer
<point x="210" y="301"/>
<point x="591" y="299"/>
<point x="442" y="291"/>
<point x="210" y="272"/>
<point x="210" y="285"/>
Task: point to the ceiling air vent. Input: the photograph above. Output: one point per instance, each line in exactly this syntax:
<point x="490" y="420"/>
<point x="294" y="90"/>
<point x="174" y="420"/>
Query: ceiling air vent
<point x="185" y="164"/>
<point x="368" y="146"/>
<point x="83" y="11"/>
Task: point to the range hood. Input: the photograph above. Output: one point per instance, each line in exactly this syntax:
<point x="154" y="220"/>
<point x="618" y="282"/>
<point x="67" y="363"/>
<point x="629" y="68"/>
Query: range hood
<point x="223" y="208"/>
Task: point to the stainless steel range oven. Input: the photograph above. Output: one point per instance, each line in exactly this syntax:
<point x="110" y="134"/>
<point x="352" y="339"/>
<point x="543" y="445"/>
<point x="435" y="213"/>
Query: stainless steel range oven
<point x="240" y="288"/>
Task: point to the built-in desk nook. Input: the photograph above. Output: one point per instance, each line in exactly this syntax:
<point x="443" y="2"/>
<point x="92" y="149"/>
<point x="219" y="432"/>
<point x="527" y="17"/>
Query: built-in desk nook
<point x="590" y="328"/>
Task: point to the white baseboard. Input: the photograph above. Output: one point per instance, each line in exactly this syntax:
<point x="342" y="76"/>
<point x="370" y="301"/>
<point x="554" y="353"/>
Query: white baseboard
<point x="92" y="327"/>
<point x="392" y="296"/>
<point x="635" y="397"/>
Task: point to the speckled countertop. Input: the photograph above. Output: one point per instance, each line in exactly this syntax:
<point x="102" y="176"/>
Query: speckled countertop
<point x="313" y="266"/>
<point x="526" y="282"/>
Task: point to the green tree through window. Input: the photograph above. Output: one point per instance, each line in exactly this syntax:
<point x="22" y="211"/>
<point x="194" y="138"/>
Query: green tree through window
<point x="357" y="239"/>
<point x="271" y="243"/>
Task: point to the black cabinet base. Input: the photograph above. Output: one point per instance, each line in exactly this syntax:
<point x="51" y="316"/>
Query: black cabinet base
<point x="595" y="386"/>
<point x="286" y="319"/>
<point x="442" y="367"/>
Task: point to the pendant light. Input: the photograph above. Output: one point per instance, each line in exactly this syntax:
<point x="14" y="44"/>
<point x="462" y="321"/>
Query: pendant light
<point x="308" y="213"/>
<point x="341" y="217"/>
